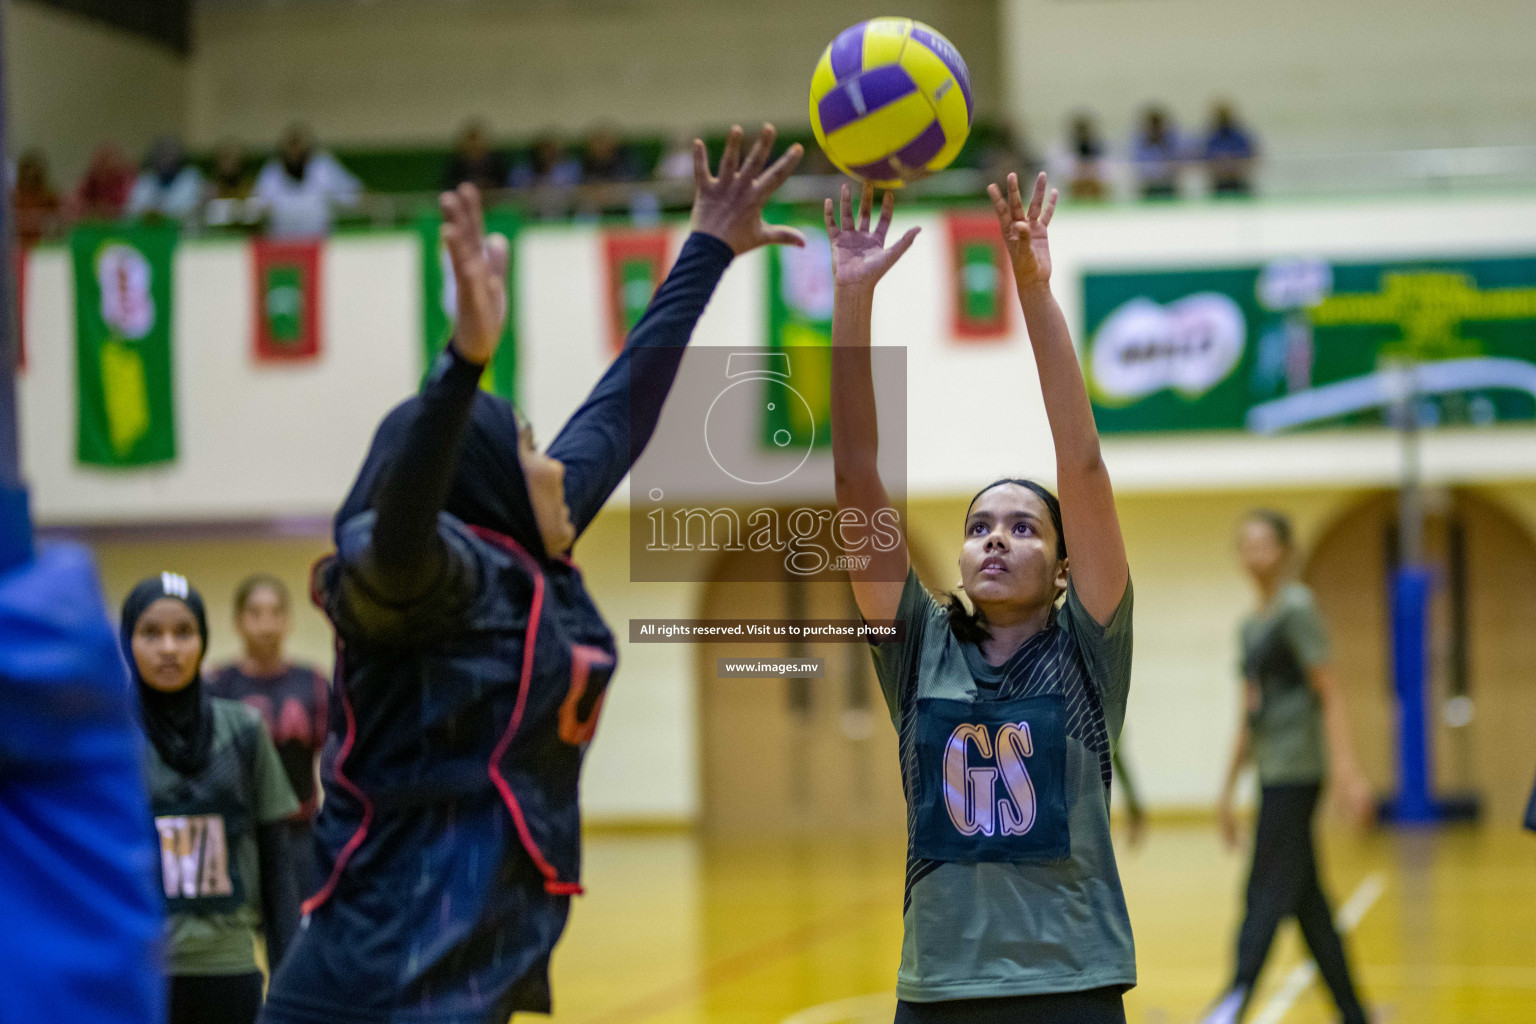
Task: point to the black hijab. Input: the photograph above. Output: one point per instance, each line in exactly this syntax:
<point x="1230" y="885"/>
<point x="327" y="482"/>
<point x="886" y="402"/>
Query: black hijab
<point x="179" y="724"/>
<point x="488" y="487"/>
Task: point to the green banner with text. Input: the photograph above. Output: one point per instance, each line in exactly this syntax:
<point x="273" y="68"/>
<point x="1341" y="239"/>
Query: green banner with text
<point x="1298" y="343"/>
<point x="126" y="409"/>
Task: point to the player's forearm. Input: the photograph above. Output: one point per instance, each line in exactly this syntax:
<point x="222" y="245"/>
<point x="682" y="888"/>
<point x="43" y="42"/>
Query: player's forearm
<point x="1241" y="748"/>
<point x="603" y="438"/>
<point x="417" y="484"/>
<point x="1341" y="746"/>
<point x="1073" y="432"/>
<point x="855" y="419"/>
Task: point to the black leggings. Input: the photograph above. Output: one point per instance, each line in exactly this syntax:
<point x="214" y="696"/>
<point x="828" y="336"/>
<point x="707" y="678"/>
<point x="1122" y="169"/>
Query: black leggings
<point x="216" y="999"/>
<point x="1283" y="883"/>
<point x="1095" y="1006"/>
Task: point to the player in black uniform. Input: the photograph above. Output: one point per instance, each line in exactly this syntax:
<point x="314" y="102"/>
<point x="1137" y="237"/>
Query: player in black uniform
<point x="290" y="697"/>
<point x="220" y="800"/>
<point x="472" y="665"/>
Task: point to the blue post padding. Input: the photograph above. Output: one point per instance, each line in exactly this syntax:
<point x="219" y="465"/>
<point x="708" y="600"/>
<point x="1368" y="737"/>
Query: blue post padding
<point x="15" y="528"/>
<point x="81" y="914"/>
<point x="1414" y="802"/>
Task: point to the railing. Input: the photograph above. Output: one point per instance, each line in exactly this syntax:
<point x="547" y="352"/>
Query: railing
<point x="1283" y="175"/>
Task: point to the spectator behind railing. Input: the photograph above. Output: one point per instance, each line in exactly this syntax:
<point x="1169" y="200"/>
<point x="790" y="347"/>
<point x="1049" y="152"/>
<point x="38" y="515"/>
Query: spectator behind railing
<point x="230" y="178"/>
<point x="550" y="170"/>
<point x="103" y="192"/>
<point x="676" y="164"/>
<point x="301" y="187"/>
<point x="170" y="187"/>
<point x="1157" y="156"/>
<point x="36" y="203"/>
<point x="474" y="161"/>
<point x="1009" y="151"/>
<point x="1229" y="153"/>
<point x="1083" y="161"/>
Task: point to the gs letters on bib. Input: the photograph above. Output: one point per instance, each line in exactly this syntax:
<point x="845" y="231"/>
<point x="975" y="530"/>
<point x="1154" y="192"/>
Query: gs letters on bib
<point x="992" y="780"/>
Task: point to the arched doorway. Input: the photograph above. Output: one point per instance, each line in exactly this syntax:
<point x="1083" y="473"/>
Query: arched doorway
<point x="1482" y="642"/>
<point x="784" y="757"/>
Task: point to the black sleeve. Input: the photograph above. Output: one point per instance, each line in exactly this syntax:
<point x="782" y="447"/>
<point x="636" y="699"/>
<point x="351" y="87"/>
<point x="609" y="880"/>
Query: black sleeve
<point x="279" y="890"/>
<point x="603" y="438"/>
<point x="406" y="553"/>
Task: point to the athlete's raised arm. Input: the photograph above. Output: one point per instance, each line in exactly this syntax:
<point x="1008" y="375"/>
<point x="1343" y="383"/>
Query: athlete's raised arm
<point x="1092" y="528"/>
<point x="603" y="438"/>
<point x="859" y="259"/>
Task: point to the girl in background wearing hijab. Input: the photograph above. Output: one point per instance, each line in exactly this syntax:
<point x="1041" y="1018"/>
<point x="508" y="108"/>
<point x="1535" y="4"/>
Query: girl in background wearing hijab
<point x="471" y="663"/>
<point x="220" y="800"/>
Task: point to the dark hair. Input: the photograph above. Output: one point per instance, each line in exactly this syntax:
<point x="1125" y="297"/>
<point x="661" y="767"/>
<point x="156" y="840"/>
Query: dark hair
<point x="970" y="626"/>
<point x="258" y="581"/>
<point x="1279" y="522"/>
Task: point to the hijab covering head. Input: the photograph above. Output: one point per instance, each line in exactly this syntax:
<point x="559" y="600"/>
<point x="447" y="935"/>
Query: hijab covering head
<point x="488" y="488"/>
<point x="180" y="723"/>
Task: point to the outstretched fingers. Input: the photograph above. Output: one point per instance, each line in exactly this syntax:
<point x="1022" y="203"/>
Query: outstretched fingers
<point x="1015" y="200"/>
<point x="902" y="245"/>
<point x="887" y="209"/>
<point x="1050" y="208"/>
<point x="701" y="176"/>
<point x="831" y="219"/>
<point x="1037" y="198"/>
<point x="757" y="156"/>
<point x="866" y="202"/>
<point x="768" y="183"/>
<point x="498" y="254"/>
<point x="1000" y="207"/>
<point x="847" y="209"/>
<point x="779" y="234"/>
<point x="730" y="160"/>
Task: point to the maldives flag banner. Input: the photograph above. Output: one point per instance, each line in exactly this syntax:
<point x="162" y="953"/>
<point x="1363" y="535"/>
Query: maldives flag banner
<point x="980" y="273"/>
<point x="440" y="299"/>
<point x="126" y="409"/>
<point x="287" y="307"/>
<point x="636" y="263"/>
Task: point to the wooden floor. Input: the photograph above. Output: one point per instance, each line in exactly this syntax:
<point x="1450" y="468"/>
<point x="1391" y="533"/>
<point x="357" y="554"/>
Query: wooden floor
<point x="676" y="930"/>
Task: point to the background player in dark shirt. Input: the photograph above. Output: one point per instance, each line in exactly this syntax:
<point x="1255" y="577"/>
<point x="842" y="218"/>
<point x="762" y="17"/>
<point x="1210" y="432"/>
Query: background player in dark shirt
<point x="291" y="699"/>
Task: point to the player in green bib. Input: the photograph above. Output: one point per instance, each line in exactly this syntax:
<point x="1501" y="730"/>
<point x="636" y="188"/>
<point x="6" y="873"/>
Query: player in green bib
<point x="1295" y="730"/>
<point x="220" y="799"/>
<point x="1006" y="704"/>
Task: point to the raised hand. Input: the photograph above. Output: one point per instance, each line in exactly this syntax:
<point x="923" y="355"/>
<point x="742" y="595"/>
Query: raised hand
<point x="859" y="256"/>
<point x="1024" y="229"/>
<point x="730" y="206"/>
<point x="480" y="271"/>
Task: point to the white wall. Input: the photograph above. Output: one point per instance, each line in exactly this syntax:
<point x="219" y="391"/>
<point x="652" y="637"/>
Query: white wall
<point x="1309" y="74"/>
<point x="391" y="72"/>
<point x="286" y="442"/>
<point x="301" y="430"/>
<point x="73" y="84"/>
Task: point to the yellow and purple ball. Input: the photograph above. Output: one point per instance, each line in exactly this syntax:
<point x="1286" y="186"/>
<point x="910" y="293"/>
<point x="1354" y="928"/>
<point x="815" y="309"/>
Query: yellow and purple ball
<point x="891" y="101"/>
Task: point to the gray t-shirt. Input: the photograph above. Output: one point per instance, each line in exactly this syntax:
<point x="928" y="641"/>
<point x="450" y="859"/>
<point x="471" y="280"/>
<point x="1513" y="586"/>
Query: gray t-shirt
<point x="1281" y="645"/>
<point x="1011" y="882"/>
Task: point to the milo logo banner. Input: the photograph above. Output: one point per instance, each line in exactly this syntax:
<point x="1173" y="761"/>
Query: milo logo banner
<point x="126" y="413"/>
<point x="1298" y="343"/>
